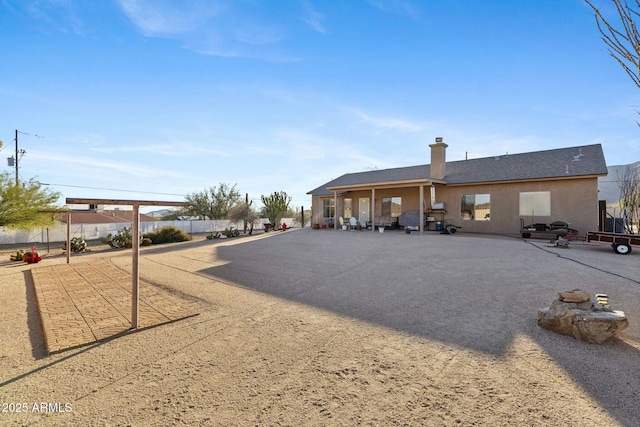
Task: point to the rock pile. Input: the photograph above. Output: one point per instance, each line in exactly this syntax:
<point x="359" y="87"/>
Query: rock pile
<point x="576" y="314"/>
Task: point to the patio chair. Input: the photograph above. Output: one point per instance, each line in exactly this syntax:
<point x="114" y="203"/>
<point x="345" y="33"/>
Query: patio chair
<point x="353" y="222"/>
<point x="343" y="223"/>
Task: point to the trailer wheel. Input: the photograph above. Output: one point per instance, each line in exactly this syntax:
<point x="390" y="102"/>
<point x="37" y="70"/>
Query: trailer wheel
<point x="622" y="248"/>
<point x="526" y="235"/>
<point x="452" y="230"/>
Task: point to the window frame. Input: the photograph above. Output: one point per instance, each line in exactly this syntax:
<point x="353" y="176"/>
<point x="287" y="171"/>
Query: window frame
<point x="535" y="203"/>
<point x="349" y="202"/>
<point x="391" y="206"/>
<point x="328" y="206"/>
<point x="470" y="210"/>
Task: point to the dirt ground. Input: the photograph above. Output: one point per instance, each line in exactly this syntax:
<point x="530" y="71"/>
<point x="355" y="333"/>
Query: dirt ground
<point x="324" y="328"/>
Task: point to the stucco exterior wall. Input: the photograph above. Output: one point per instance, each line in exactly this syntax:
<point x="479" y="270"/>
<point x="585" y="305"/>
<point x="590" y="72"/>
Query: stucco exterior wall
<point x="572" y="200"/>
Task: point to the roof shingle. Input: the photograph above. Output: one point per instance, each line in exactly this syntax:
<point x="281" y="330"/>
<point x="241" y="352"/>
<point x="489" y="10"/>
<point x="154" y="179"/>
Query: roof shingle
<point x="587" y="160"/>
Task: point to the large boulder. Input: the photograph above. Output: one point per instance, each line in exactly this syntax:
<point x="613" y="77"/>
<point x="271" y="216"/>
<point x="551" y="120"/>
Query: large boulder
<point x="575" y="314"/>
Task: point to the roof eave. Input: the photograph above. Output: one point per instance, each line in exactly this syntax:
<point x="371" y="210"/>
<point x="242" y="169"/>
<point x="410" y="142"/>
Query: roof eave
<point x="386" y="184"/>
<point x="514" y="181"/>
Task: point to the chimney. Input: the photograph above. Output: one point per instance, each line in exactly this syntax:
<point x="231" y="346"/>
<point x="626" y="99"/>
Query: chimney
<point x="438" y="159"/>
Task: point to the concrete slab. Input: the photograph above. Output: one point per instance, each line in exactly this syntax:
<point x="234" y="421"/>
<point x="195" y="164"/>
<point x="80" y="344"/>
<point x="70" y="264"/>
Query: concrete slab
<point x="86" y="302"/>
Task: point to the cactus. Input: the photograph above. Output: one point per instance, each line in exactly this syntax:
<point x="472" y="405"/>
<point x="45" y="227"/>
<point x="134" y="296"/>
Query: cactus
<point x="18" y="256"/>
<point x="77" y="245"/>
<point x="122" y="239"/>
<point x="230" y="232"/>
<point x="213" y="235"/>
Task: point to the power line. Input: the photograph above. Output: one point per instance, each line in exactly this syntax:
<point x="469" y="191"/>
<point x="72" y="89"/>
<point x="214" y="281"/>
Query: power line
<point x="112" y="189"/>
<point x="140" y="192"/>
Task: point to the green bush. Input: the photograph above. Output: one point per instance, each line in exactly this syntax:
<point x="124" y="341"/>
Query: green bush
<point x="168" y="234"/>
<point x="146" y="242"/>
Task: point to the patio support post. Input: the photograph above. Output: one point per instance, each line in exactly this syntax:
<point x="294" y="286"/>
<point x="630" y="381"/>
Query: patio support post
<point x="335" y="209"/>
<point x="135" y="240"/>
<point x="373" y="209"/>
<point x="135" y="271"/>
<point x="68" y="237"/>
<point x="421" y="219"/>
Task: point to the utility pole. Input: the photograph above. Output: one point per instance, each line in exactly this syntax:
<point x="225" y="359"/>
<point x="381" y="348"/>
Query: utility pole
<point x="18" y="154"/>
<point x="16" y="157"/>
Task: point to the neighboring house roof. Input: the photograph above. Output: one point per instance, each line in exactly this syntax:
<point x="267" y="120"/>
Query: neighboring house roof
<point x="103" y="217"/>
<point x="572" y="162"/>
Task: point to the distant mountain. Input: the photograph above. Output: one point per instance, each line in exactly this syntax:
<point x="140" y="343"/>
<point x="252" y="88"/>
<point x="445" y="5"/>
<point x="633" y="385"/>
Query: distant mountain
<point x="608" y="185"/>
<point x="160" y="213"/>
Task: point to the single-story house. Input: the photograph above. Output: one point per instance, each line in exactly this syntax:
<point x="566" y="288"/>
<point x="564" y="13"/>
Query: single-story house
<point x="484" y="195"/>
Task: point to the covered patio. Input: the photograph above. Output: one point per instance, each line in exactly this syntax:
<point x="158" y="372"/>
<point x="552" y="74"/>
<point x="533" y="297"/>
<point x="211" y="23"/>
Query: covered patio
<point x="381" y="204"/>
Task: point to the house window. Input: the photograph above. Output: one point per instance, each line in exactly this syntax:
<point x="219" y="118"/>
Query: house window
<point x="328" y="208"/>
<point x="536" y="203"/>
<point x="348" y="208"/>
<point x="391" y="206"/>
<point x="476" y="207"/>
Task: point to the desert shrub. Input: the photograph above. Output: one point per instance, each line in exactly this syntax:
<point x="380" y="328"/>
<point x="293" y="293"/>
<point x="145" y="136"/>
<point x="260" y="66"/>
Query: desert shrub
<point x="231" y="232"/>
<point x="77" y="245"/>
<point x="146" y="242"/>
<point x="213" y="235"/>
<point x="168" y="234"/>
<point x="121" y="239"/>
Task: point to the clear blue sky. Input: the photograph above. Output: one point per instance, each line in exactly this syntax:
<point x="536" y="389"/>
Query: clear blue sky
<point x="167" y="97"/>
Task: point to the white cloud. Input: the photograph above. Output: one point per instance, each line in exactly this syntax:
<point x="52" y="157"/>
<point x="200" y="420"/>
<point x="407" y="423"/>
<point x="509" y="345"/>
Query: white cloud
<point x="181" y="149"/>
<point x="60" y="15"/>
<point x="400" y="7"/>
<point x="168" y="17"/>
<point x="100" y="167"/>
<point x="259" y="35"/>
<point x="313" y="18"/>
<point x="385" y="124"/>
<point x="215" y="28"/>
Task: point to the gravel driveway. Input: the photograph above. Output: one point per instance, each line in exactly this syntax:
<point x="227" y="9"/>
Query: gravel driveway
<point x="317" y="327"/>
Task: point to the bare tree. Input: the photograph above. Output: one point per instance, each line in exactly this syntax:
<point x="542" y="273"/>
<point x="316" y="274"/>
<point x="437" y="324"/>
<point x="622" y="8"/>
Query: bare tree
<point x="245" y="213"/>
<point x="629" y="185"/>
<point x="623" y="40"/>
<point x="622" y="37"/>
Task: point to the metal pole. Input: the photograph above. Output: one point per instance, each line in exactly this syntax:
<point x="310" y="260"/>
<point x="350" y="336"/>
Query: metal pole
<point x="246" y="202"/>
<point x="135" y="272"/>
<point x="16" y="157"/>
<point x="68" y="236"/>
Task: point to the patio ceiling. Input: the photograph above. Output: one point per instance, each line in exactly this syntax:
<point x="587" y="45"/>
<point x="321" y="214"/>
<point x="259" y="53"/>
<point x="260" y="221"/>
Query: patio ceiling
<point x="387" y="184"/>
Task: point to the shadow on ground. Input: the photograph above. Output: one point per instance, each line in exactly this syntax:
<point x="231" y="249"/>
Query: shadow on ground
<point x="36" y="336"/>
<point x="471" y="292"/>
